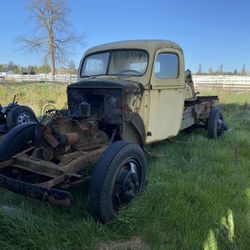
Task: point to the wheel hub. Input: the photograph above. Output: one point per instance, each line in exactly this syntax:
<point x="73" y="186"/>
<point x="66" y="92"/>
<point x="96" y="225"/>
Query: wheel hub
<point x="23" y="118"/>
<point x="127" y="183"/>
<point x="130" y="185"/>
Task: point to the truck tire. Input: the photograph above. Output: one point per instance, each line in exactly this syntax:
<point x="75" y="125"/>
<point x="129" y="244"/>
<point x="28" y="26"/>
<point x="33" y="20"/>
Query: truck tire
<point x="19" y="115"/>
<point x="117" y="178"/>
<point x="17" y="140"/>
<point x="215" y="125"/>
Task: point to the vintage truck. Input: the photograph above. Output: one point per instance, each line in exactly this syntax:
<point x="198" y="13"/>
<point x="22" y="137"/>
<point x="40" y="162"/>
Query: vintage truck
<point x="129" y="94"/>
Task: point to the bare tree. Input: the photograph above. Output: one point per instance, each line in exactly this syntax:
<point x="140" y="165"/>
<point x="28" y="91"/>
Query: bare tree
<point x="52" y="34"/>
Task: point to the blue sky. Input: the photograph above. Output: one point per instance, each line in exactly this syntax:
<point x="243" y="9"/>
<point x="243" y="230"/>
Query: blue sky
<point x="211" y="32"/>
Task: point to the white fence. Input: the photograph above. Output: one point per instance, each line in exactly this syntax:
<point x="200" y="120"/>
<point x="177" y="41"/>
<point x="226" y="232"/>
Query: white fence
<point x="201" y="81"/>
<point x="63" y="78"/>
<point x="222" y="81"/>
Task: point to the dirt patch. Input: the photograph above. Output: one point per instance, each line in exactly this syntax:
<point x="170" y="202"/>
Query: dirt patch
<point x="136" y="243"/>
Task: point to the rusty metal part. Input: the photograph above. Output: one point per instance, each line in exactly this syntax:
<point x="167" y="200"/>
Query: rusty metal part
<point x="71" y="138"/>
<point x="24" y="152"/>
<point x="58" y="173"/>
<point x="53" y="196"/>
<point x="6" y="163"/>
<point x="75" y="183"/>
<point x="201" y="107"/>
<point x="74" y="166"/>
<point x="48" y="153"/>
<point x="84" y="134"/>
<point x="53" y="182"/>
<point x="38" y="166"/>
<point x="86" y="159"/>
<point x="82" y="126"/>
<point x="49" y="137"/>
<point x="66" y="158"/>
<point x="64" y="148"/>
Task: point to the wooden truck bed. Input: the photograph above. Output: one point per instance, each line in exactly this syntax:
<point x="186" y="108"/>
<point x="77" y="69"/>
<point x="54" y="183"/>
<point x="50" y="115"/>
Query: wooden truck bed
<point x="197" y="111"/>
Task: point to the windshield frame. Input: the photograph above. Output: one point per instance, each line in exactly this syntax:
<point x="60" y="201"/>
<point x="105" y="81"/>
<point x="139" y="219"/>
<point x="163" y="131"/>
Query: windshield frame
<point x="109" y="59"/>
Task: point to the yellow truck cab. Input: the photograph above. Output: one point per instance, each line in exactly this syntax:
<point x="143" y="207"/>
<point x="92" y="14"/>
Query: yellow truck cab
<point x="156" y="110"/>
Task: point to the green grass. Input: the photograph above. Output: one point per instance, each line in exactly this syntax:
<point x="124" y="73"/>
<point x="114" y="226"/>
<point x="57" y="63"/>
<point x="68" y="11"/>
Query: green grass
<point x="35" y="95"/>
<point x="198" y="197"/>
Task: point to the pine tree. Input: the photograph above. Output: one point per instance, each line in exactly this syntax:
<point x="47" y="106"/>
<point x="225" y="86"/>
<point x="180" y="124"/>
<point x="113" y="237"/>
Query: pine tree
<point x="200" y="69"/>
<point x="243" y="71"/>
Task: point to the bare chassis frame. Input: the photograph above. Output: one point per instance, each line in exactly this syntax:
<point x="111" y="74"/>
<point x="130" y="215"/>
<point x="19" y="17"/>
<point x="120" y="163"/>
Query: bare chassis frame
<point x="59" y="175"/>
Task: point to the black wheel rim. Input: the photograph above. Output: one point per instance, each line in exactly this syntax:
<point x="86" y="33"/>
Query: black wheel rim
<point x="127" y="184"/>
<point x="23" y="118"/>
<point x="220" y="123"/>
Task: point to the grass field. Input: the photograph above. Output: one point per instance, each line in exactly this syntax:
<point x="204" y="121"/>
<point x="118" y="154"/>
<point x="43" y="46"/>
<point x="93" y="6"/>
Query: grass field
<point x="36" y="95"/>
<point x="198" y="197"/>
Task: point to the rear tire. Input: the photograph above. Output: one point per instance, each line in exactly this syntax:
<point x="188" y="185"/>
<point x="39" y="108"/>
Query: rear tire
<point x="216" y="125"/>
<point x="117" y="178"/>
<point x="17" y="140"/>
<point x="19" y="115"/>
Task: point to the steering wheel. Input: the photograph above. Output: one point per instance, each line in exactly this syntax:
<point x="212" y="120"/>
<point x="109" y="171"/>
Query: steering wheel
<point x="49" y="109"/>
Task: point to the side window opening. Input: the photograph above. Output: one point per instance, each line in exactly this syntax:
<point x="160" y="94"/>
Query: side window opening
<point x="166" y="66"/>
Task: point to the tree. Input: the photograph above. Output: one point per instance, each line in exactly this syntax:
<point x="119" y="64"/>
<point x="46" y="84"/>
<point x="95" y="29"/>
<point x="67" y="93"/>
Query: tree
<point x="45" y="68"/>
<point x="220" y="70"/>
<point x="235" y="72"/>
<point x="53" y="36"/>
<point x="200" y="69"/>
<point x="243" y="70"/>
<point x="72" y="68"/>
<point x="12" y="67"/>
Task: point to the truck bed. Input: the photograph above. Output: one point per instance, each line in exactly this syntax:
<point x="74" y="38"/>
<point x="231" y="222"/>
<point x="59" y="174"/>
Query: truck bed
<point x="196" y="111"/>
<point x="201" y="99"/>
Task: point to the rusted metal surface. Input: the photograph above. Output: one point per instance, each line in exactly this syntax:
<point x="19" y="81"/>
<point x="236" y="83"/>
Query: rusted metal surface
<point x="59" y="174"/>
<point x="53" y="182"/>
<point x="38" y="166"/>
<point x="87" y="159"/>
<point x="72" y="138"/>
<point x="200" y="107"/>
<point x="6" y="163"/>
<point x="24" y="152"/>
<point x="63" y="147"/>
<point x="77" y="182"/>
<point x="53" y="196"/>
<point x="49" y="137"/>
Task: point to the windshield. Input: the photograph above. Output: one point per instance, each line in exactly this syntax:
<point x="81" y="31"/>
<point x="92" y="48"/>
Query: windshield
<point x="115" y="62"/>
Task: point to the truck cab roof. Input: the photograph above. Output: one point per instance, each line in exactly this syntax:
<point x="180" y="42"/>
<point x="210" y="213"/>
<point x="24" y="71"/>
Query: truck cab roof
<point x="150" y="45"/>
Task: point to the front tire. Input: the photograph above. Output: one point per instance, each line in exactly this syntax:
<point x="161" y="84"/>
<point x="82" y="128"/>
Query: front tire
<point x="117" y="179"/>
<point x="17" y="140"/>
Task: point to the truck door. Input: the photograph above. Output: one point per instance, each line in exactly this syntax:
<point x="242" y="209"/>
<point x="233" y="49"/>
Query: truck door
<point x="166" y="96"/>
